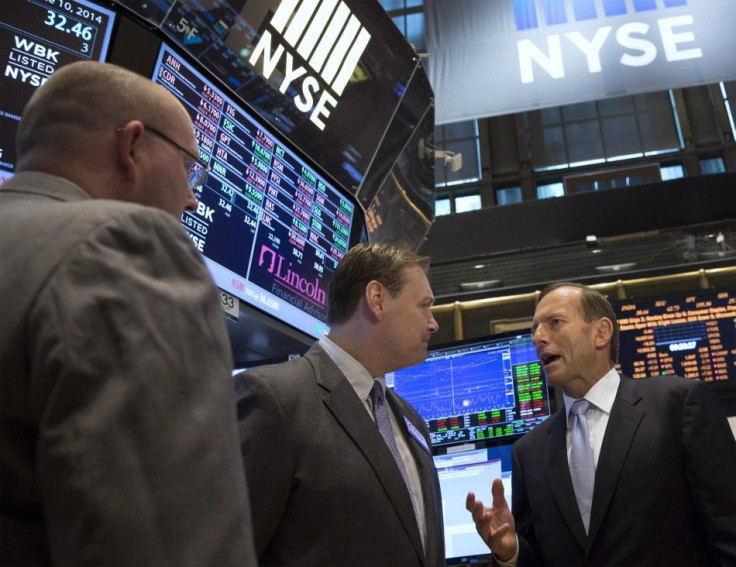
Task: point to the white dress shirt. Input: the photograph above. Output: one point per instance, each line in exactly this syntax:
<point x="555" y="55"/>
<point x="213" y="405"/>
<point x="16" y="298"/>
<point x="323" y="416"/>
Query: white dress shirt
<point x="601" y="397"/>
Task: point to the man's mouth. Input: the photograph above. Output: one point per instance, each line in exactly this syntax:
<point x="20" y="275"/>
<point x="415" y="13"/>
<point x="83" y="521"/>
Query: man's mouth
<point x="548" y="358"/>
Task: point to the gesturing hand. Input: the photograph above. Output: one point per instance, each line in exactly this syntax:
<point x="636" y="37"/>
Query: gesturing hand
<point x="496" y="524"/>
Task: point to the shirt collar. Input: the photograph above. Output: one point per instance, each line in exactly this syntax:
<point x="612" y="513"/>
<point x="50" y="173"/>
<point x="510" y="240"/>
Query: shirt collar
<point x="359" y="378"/>
<point x="601" y="395"/>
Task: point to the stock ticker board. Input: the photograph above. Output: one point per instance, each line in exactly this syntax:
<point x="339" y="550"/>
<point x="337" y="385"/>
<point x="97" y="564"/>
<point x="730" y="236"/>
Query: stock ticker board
<point x="691" y="334"/>
<point x="271" y="227"/>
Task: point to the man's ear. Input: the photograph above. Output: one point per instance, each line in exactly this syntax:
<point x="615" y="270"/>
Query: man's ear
<point x="604" y="332"/>
<point x="375" y="295"/>
<point x="128" y="143"/>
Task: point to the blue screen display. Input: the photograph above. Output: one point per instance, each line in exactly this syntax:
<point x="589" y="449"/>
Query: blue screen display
<point x="484" y="389"/>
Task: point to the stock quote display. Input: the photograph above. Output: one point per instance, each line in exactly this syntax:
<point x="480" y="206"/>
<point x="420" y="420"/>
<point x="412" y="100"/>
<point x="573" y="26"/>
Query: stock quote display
<point x="690" y="334"/>
<point x="488" y="389"/>
<point x="270" y="227"/>
<point x="36" y="38"/>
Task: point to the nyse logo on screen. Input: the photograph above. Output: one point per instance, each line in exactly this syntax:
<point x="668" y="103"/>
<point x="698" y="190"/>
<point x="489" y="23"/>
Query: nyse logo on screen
<point x="631" y="43"/>
<point x="318" y="45"/>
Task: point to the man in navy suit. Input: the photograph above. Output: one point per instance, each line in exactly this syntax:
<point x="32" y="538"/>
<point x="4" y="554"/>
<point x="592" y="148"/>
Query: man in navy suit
<point x="664" y="489"/>
<point x="325" y="488"/>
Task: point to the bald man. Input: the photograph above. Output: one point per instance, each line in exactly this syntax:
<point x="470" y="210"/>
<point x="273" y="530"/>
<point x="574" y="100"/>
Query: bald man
<point x="118" y="440"/>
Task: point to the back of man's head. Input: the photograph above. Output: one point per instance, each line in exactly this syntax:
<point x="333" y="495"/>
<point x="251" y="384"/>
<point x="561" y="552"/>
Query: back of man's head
<point x="66" y="115"/>
<point x="362" y="264"/>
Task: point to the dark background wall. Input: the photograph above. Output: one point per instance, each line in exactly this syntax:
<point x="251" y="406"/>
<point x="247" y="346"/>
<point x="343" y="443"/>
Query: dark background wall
<point x="543" y="223"/>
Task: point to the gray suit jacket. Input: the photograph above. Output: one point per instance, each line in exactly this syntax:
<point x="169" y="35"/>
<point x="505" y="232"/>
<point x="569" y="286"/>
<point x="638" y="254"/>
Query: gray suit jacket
<point x="665" y="487"/>
<point x="118" y="439"/>
<point x="324" y="488"/>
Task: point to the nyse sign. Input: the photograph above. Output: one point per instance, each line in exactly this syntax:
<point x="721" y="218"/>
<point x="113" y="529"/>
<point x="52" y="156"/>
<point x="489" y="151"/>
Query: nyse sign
<point x="638" y="43"/>
<point x="524" y="54"/>
<point x="332" y="42"/>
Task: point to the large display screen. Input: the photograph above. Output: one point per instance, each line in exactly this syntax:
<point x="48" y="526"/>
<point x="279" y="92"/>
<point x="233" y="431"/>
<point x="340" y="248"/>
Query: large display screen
<point x="36" y="38"/>
<point x="491" y="388"/>
<point x="691" y="334"/>
<point x="312" y="70"/>
<point x="271" y="227"/>
<point x="469" y="470"/>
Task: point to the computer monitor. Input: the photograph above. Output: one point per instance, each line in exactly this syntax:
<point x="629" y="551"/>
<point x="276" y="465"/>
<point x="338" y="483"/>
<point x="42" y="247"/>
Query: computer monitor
<point x="488" y="388"/>
<point x="691" y="334"/>
<point x="460" y="472"/>
<point x="36" y="38"/>
<point x="270" y="224"/>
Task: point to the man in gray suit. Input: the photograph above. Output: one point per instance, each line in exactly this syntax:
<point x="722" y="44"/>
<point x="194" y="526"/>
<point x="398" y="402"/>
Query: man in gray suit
<point x="118" y="439"/>
<point x="325" y="486"/>
<point x="662" y="458"/>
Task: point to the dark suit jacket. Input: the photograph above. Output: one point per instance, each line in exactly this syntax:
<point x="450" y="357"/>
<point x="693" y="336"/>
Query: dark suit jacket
<point x="665" y="487"/>
<point x="118" y="440"/>
<point x="324" y="488"/>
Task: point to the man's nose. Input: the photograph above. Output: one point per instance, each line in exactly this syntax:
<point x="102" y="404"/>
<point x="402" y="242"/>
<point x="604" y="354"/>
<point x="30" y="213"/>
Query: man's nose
<point x="434" y="326"/>
<point x="538" y="336"/>
<point x="191" y="204"/>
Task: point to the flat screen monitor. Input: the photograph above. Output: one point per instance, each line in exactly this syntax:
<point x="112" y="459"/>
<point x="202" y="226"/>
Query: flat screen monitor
<point x="460" y="472"/>
<point x="272" y="228"/>
<point x="691" y="334"/>
<point x="490" y="388"/>
<point x="36" y="38"/>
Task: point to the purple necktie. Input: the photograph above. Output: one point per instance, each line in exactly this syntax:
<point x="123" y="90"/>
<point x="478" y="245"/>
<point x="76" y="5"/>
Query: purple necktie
<point x="380" y="413"/>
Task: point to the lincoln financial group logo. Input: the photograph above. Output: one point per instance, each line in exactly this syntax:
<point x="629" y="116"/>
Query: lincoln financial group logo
<point x="633" y="38"/>
<point x="317" y="42"/>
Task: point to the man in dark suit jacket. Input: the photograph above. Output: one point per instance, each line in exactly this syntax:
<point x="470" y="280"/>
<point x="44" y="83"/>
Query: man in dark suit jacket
<point x="118" y="438"/>
<point x="325" y="488"/>
<point x="665" y="458"/>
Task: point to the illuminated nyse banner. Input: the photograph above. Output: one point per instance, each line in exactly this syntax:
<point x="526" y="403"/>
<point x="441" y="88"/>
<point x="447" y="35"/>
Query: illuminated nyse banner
<point x="36" y="38"/>
<point x="555" y="52"/>
<point x="691" y="335"/>
<point x="271" y="228"/>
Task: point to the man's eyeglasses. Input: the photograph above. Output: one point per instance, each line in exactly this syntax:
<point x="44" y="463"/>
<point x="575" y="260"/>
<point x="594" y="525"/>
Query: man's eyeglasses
<point x="197" y="169"/>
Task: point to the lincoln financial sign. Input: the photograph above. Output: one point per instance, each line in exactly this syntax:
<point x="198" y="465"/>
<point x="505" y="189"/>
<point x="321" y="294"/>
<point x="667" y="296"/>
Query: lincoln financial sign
<point x="502" y="56"/>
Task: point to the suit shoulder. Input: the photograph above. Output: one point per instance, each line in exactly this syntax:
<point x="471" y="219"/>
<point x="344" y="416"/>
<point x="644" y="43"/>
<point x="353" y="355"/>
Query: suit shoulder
<point x="408" y="408"/>
<point x="56" y="221"/>
<point x="110" y="212"/>
<point x="662" y="385"/>
<point x="288" y="376"/>
<point x="667" y="393"/>
<point x="540" y="432"/>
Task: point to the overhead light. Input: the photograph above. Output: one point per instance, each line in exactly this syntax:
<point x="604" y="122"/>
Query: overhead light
<point x="624" y="266"/>
<point x="476" y="286"/>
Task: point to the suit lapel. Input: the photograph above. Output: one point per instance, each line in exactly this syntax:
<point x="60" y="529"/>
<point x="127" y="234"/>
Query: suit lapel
<point x="342" y="401"/>
<point x="622" y="426"/>
<point x="558" y="476"/>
